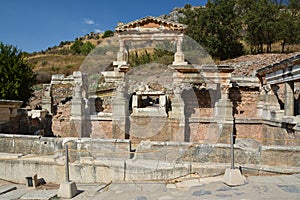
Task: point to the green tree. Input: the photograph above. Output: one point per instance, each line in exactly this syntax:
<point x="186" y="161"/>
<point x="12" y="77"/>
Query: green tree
<point x="261" y="21"/>
<point x="107" y="33"/>
<point x="76" y="47"/>
<point x="294" y="5"/>
<point x="216" y="27"/>
<point x="16" y="75"/>
<point x="82" y="48"/>
<point x="289" y="28"/>
<point x="86" y="48"/>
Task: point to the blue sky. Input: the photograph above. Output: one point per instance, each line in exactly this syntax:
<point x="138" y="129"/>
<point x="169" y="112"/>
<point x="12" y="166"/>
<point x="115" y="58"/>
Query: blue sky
<point x="34" y="25"/>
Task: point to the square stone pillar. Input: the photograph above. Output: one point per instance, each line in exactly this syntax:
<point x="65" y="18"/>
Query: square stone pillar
<point x="78" y="109"/>
<point x="179" y="115"/>
<point x="179" y="55"/>
<point x="289" y="99"/>
<point x="46" y="99"/>
<point x="224" y="115"/>
<point x="77" y="118"/>
<point x="121" y="55"/>
<point x="223" y="108"/>
<point x="120" y="119"/>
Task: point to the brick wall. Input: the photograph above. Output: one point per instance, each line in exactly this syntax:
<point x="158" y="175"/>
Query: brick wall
<point x="244" y="102"/>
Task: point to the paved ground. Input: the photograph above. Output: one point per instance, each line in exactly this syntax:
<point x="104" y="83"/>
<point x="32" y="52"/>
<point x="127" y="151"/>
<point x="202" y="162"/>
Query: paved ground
<point x="256" y="187"/>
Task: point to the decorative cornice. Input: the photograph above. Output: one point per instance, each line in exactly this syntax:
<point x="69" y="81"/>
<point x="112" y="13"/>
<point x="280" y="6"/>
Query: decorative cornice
<point x="136" y="24"/>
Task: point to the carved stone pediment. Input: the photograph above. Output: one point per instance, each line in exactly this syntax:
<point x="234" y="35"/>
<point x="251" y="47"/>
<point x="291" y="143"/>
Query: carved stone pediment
<point x="150" y="24"/>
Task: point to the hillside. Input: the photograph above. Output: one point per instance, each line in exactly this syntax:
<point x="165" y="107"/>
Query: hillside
<point x="46" y="65"/>
<point x="60" y="59"/>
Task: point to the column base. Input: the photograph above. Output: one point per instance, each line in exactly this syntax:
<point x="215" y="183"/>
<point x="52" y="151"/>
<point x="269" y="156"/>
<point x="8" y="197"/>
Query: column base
<point x="67" y="190"/>
<point x="233" y="177"/>
<point x="179" y="63"/>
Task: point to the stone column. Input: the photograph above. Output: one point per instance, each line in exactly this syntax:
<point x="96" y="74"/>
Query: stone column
<point x="224" y="105"/>
<point x="120" y="121"/>
<point x="78" y="110"/>
<point x="46" y="99"/>
<point x="179" y="55"/>
<point x="121" y="55"/>
<point x="289" y="99"/>
<point x="223" y="116"/>
<point x="120" y="65"/>
<point x="178" y="114"/>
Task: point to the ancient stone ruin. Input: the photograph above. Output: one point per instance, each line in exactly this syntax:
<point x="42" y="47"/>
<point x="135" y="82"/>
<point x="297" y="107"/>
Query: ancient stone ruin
<point x="156" y="121"/>
<point x="251" y="106"/>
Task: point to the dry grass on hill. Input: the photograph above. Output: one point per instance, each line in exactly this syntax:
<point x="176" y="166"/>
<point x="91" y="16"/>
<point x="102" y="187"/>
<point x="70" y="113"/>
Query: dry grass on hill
<point x="49" y="64"/>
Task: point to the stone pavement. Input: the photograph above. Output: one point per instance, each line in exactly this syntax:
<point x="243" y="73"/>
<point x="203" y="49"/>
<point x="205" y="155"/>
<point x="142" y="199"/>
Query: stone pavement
<point x="256" y="187"/>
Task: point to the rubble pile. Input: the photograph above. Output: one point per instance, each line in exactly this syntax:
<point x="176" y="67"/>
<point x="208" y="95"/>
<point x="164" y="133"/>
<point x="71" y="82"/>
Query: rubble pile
<point x="248" y="64"/>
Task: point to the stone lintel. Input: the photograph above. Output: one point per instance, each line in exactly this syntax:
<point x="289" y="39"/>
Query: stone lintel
<point x="216" y="68"/>
<point x="148" y="112"/>
<point x="289" y="119"/>
<point x="113" y="76"/>
<point x="147" y="36"/>
<point x="154" y="93"/>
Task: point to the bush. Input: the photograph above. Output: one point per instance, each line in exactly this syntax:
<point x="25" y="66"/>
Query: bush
<point x="86" y="48"/>
<point x="107" y="33"/>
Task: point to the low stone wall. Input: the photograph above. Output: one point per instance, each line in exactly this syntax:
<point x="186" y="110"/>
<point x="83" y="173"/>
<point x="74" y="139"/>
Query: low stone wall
<point x="96" y="160"/>
<point x="247" y="151"/>
<point x="80" y="147"/>
<point x="281" y="134"/>
<point x="99" y="171"/>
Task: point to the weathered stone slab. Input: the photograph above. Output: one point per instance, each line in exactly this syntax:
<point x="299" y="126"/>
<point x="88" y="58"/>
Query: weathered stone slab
<point x="39" y="194"/>
<point x="15" y="194"/>
<point x="280" y="156"/>
<point x="6" y="188"/>
<point x="155" y="170"/>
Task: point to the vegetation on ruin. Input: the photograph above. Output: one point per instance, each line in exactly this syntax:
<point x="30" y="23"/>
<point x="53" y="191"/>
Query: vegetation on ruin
<point x="17" y="77"/>
<point x="156" y="55"/>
